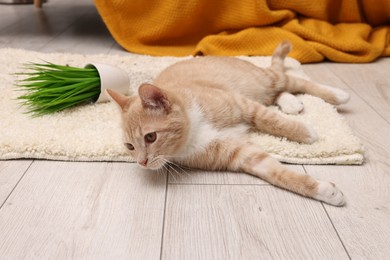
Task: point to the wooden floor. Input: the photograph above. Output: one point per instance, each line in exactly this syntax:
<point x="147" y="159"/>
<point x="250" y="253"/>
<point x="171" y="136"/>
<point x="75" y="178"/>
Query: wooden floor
<point x="70" y="210"/>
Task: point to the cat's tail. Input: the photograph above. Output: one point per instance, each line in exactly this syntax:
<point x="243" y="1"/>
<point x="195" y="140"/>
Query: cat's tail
<point x="296" y="85"/>
<point x="279" y="55"/>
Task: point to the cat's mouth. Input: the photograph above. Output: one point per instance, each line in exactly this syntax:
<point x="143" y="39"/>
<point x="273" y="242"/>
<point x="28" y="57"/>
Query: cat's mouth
<point x="155" y="163"/>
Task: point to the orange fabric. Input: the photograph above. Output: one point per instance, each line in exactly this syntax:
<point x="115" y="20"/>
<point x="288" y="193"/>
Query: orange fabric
<point x="339" y="30"/>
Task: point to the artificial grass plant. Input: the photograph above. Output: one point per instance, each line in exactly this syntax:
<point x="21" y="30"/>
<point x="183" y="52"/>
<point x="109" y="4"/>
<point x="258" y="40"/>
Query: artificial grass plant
<point x="51" y="88"/>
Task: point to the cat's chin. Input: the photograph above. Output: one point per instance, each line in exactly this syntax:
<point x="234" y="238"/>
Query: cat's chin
<point x="155" y="165"/>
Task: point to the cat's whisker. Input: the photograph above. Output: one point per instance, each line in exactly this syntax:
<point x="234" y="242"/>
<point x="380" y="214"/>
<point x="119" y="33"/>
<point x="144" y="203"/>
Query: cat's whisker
<point x="163" y="170"/>
<point x="170" y="173"/>
<point x="165" y="166"/>
<point x="174" y="166"/>
<point x="179" y="170"/>
<point x="182" y="169"/>
<point x="169" y="167"/>
<point x="173" y="175"/>
<point x="178" y="165"/>
<point x="160" y="171"/>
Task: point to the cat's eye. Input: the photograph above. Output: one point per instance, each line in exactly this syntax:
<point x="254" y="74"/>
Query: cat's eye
<point x="150" y="138"/>
<point x="129" y="146"/>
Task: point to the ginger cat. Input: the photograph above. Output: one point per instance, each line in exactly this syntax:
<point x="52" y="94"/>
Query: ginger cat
<point x="197" y="114"/>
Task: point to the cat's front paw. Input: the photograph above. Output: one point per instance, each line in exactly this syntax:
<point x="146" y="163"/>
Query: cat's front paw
<point x="330" y="194"/>
<point x="309" y="135"/>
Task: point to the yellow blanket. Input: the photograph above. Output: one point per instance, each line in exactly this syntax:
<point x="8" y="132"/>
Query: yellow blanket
<point x="339" y="30"/>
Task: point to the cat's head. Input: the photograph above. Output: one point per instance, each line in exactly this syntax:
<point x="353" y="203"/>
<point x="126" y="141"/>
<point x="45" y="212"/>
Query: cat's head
<point x="155" y="125"/>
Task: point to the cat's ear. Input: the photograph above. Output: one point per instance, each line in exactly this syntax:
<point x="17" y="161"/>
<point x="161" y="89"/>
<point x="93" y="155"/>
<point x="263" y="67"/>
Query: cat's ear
<point x="120" y="99"/>
<point x="153" y="97"/>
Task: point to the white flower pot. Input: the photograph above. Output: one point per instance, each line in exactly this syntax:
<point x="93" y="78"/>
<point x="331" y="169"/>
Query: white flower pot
<point x="110" y="78"/>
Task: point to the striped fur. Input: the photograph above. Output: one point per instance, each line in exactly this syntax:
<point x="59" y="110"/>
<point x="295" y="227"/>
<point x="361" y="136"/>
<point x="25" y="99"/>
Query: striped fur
<point x="200" y="112"/>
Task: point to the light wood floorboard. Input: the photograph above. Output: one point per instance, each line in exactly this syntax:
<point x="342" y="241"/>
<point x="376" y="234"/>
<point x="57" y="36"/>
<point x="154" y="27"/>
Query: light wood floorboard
<point x="370" y="82"/>
<point x="10" y="174"/>
<point x="84" y="211"/>
<point x="363" y="225"/>
<point x="58" y="210"/>
<point x="37" y="28"/>
<point x="89" y="41"/>
<point x="246" y="222"/>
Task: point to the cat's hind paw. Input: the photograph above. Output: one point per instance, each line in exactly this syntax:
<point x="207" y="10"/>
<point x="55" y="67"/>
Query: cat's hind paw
<point x="342" y="96"/>
<point x="301" y="133"/>
<point x="289" y="103"/>
<point x="337" y="97"/>
<point x="310" y="136"/>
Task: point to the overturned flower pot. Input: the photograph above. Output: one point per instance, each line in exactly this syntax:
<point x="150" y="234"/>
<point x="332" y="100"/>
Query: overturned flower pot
<point x="110" y="78"/>
<point x="50" y="88"/>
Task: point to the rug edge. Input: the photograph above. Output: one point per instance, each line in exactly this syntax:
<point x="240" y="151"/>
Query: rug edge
<point x="346" y="159"/>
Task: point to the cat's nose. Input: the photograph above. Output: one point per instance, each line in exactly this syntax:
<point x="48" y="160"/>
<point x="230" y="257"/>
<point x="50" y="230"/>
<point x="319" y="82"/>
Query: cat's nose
<point x="143" y="162"/>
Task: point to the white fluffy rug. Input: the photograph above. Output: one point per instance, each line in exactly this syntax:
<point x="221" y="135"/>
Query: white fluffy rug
<point x="92" y="132"/>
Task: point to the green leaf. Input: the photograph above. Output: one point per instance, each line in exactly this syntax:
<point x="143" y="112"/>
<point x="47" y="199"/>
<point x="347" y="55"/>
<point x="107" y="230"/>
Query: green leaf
<point x="50" y="88"/>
